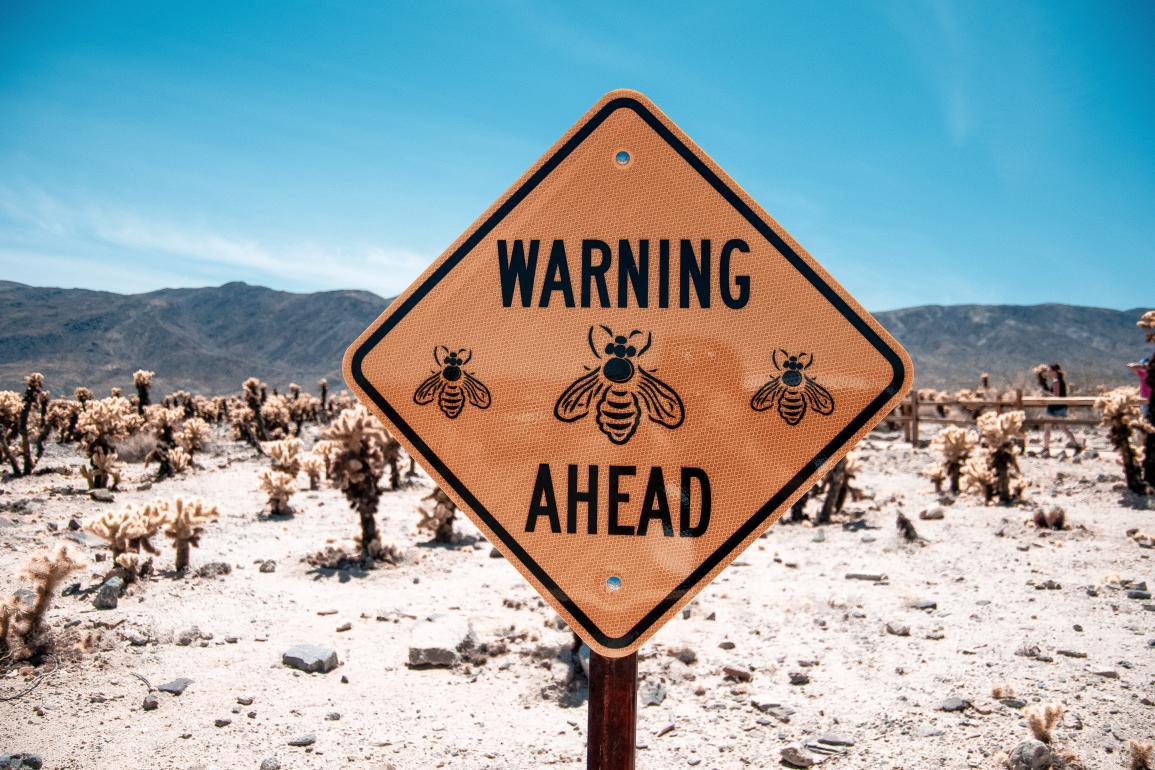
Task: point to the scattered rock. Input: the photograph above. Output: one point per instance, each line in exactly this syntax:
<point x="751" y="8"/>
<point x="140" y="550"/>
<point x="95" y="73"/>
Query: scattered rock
<point x="1013" y="703"/>
<point x="213" y="569"/>
<point x="222" y="722"/>
<point x="955" y="704"/>
<point x="795" y="756"/>
<point x="21" y="761"/>
<point x="109" y="594"/>
<point x="898" y="629"/>
<point x="870" y="578"/>
<point x="176" y="686"/>
<point x="1136" y="593"/>
<point x="270" y="763"/>
<point x="737" y="673"/>
<point x="1071" y="653"/>
<point x="1030" y="755"/>
<point x="651" y="693"/>
<point x="440" y="640"/>
<point x="932" y="514"/>
<point x="267" y="566"/>
<point x="245" y="700"/>
<point x="925" y="604"/>
<point x="310" y="658"/>
<point x="495" y="554"/>
<point x="836" y="739"/>
<point x="344" y="627"/>
<point x="188" y="635"/>
<point x="929" y="731"/>
<point x="799" y="678"/>
<point x="303" y="740"/>
<point x="102" y="495"/>
<point x="1108" y="674"/>
<point x="150" y="703"/>
<point x="333" y="716"/>
<point x="684" y="653"/>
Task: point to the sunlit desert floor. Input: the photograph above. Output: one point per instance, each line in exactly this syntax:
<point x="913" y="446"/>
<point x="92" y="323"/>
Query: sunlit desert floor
<point x="974" y="596"/>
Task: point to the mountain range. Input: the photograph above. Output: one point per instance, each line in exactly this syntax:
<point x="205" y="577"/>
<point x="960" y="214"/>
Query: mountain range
<point x="209" y="340"/>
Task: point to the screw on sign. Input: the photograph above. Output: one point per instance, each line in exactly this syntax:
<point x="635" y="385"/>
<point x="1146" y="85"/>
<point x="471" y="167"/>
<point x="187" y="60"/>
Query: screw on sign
<point x="624" y="372"/>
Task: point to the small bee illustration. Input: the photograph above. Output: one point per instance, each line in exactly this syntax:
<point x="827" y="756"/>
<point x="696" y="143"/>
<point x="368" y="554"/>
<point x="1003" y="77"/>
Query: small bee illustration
<point x="621" y="388"/>
<point x="793" y="390"/>
<point x="451" y="385"/>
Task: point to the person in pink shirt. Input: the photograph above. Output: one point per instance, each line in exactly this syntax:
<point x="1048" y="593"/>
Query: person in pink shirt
<point x="1140" y="368"/>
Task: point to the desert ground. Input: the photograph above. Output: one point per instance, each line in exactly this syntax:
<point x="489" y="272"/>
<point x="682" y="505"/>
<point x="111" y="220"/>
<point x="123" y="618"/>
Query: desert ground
<point x="896" y="671"/>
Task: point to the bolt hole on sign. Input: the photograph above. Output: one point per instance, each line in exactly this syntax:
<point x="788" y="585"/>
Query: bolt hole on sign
<point x="624" y="371"/>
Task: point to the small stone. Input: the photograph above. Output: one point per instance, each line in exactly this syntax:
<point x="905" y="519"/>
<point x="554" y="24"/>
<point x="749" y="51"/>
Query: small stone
<point x="651" y="693"/>
<point x="1030" y="755"/>
<point x="344" y="627"/>
<point x="21" y="761"/>
<point x="932" y="514"/>
<point x="270" y="763"/>
<point x="213" y="569"/>
<point x="1135" y="593"/>
<point x="245" y="700"/>
<point x="310" y="658"/>
<point x="333" y="716"/>
<point x="440" y="641"/>
<point x="819" y="536"/>
<point x="897" y="629"/>
<point x="150" y="703"/>
<point x="135" y="637"/>
<point x="726" y="645"/>
<point x="925" y="604"/>
<point x="935" y="635"/>
<point x="797" y="757"/>
<point x="222" y="722"/>
<point x="1108" y="674"/>
<point x="109" y="594"/>
<point x="267" y="566"/>
<point x="929" y="731"/>
<point x="1013" y="703"/>
<point x="303" y="740"/>
<point x="836" y="739"/>
<point x="870" y="578"/>
<point x="176" y="686"/>
<point x="1071" y="653"/>
<point x="954" y="704"/>
<point x="684" y="653"/>
<point x="102" y="496"/>
<point x="495" y="554"/>
<point x="799" y="678"/>
<point x="737" y="673"/>
<point x="187" y="636"/>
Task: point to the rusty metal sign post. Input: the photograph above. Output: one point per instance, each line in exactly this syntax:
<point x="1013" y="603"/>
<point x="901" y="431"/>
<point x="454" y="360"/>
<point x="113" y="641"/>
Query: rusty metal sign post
<point x="624" y="372"/>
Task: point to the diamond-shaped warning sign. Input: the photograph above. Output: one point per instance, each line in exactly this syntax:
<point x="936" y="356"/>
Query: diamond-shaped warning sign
<point x="625" y="371"/>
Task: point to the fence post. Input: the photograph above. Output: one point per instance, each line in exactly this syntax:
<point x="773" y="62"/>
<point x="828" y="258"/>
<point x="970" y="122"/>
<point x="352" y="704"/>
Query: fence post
<point x="914" y="437"/>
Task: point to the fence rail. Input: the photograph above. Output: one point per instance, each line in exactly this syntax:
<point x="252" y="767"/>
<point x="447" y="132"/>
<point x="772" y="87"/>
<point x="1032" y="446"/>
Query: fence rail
<point x="911" y="412"/>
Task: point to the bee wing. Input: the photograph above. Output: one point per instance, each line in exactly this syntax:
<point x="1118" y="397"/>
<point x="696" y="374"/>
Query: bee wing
<point x="767" y="394"/>
<point x="663" y="405"/>
<point x="819" y="397"/>
<point x="475" y="391"/>
<point x="575" y="402"/>
<point x="428" y="390"/>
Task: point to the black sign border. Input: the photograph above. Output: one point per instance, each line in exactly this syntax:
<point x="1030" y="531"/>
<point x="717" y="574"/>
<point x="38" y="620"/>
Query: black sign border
<point x="583" y="132"/>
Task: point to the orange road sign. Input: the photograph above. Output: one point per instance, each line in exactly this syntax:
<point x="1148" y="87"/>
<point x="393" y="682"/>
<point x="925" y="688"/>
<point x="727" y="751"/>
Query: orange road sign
<point x="625" y="371"/>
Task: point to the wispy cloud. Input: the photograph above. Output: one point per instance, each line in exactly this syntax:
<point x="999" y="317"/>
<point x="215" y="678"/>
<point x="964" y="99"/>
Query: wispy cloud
<point x="41" y="226"/>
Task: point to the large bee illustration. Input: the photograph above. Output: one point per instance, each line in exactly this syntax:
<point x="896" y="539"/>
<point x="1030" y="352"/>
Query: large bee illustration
<point x="451" y="385"/>
<point x="792" y="390"/>
<point x="620" y="388"/>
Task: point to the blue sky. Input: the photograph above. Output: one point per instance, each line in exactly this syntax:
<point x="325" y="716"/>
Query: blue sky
<point x="923" y="152"/>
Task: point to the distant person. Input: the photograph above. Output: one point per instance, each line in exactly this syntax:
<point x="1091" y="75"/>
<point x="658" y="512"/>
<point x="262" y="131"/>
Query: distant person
<point x="1140" y="368"/>
<point x="1056" y="387"/>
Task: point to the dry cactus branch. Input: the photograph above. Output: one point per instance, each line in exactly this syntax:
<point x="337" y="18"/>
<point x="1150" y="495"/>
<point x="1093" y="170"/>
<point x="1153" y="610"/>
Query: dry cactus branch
<point x="354" y="449"/>
<point x="1042" y="720"/>
<point x="22" y="631"/>
<point x="128" y="532"/>
<point x="956" y="445"/>
<point x="278" y="487"/>
<point x="142" y="381"/>
<point x="1122" y="419"/>
<point x="313" y="466"/>
<point x="1002" y="436"/>
<point x="437" y="513"/>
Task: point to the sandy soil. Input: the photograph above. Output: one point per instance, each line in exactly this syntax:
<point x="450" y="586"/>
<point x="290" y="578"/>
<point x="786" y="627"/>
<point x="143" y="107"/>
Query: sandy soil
<point x="785" y="607"/>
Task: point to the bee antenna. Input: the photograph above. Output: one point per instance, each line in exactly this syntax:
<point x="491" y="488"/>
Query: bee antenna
<point x="468" y="355"/>
<point x="809" y="360"/>
<point x="774" y="358"/>
<point x="436" y="357"/>
<point x="649" y="341"/>
<point x="591" y="341"/>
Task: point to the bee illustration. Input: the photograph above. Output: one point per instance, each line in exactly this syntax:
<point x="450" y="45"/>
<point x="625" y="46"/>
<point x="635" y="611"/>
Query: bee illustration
<point x="793" y="390"/>
<point x="451" y="385"/>
<point x="622" y="390"/>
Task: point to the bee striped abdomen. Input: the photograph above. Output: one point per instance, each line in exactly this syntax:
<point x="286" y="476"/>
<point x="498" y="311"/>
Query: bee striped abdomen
<point x="792" y="406"/>
<point x="451" y="400"/>
<point x="618" y="414"/>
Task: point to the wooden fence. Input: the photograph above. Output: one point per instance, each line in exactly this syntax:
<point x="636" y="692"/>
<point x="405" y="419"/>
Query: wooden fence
<point x="913" y="411"/>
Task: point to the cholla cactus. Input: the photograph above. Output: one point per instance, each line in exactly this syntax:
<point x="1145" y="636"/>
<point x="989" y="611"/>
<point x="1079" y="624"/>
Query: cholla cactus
<point x="1042" y="720"/>
<point x="22" y="631"/>
<point x="437" y="513"/>
<point x="1122" y="418"/>
<point x="284" y="454"/>
<point x="142" y="381"/>
<point x="354" y="451"/>
<point x="1002" y="436"/>
<point x="252" y="426"/>
<point x="956" y="444"/>
<point x="100" y="424"/>
<point x="278" y="486"/>
<point x="979" y="477"/>
<point x="62" y="416"/>
<point x="313" y="466"/>
<point x="323" y="386"/>
<point x="184" y="526"/>
<point x="277" y="417"/>
<point x="24" y="425"/>
<point x="128" y="532"/>
<point x="1147" y="324"/>
<point x="170" y="458"/>
<point x="194" y="435"/>
<point x="837" y="485"/>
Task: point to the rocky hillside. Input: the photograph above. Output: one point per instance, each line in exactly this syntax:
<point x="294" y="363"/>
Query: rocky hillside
<point x="210" y="339"/>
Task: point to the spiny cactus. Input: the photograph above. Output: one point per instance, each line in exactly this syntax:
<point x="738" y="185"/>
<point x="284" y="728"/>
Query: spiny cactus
<point x="194" y="435"/>
<point x="284" y="454"/>
<point x="323" y="386"/>
<point x="437" y="513"/>
<point x="24" y="426"/>
<point x="142" y="381"/>
<point x="1042" y="720"/>
<point x="184" y="524"/>
<point x="955" y="444"/>
<point x="837" y="485"/>
<point x="169" y="457"/>
<point x="978" y="477"/>
<point x="278" y="487"/>
<point x="1002" y="437"/>
<point x="1147" y="323"/>
<point x="128" y="532"/>
<point x="313" y="466"/>
<point x="1142" y="755"/>
<point x="22" y="631"/>
<point x="354" y="450"/>
<point x="100" y="423"/>
<point x="1122" y="419"/>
